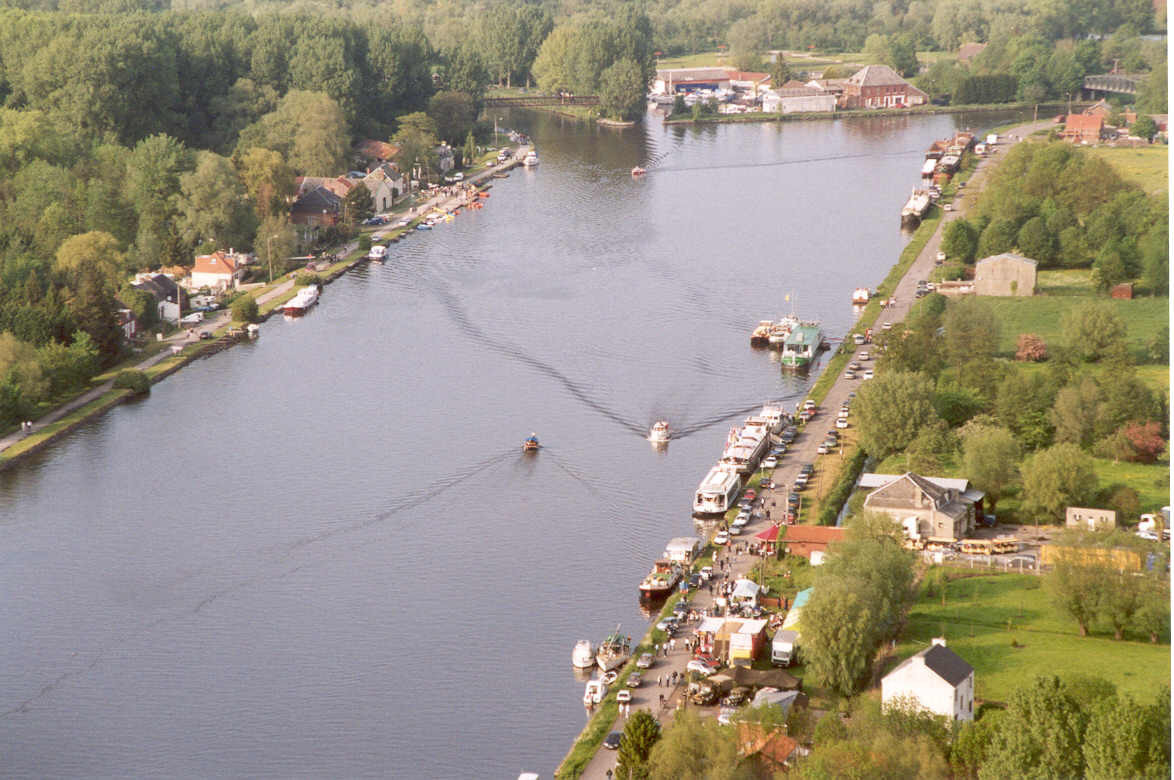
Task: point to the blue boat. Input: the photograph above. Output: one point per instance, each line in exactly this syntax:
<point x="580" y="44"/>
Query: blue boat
<point x="531" y="443"/>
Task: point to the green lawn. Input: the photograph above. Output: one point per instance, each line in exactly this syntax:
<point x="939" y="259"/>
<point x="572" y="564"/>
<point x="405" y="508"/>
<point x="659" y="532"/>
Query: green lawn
<point x="1042" y="315"/>
<point x="1151" y="481"/>
<point x="705" y="59"/>
<point x="976" y="620"/>
<point x="1147" y="167"/>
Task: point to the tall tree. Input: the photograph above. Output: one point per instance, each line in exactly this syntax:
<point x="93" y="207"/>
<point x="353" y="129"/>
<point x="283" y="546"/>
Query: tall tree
<point x="1061" y="476"/>
<point x="990" y="458"/>
<point x="94" y="309"/>
<point x="1040" y="735"/>
<point x="268" y="180"/>
<point x="213" y="206"/>
<point x="641" y="733"/>
<point x="453" y="114"/>
<point x="891" y="410"/>
<point x="416" y="140"/>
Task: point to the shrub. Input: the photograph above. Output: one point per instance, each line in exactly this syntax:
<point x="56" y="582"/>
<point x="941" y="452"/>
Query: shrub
<point x="244" y="309"/>
<point x="364" y="241"/>
<point x="1031" y="348"/>
<point x="136" y="381"/>
<point x="306" y="278"/>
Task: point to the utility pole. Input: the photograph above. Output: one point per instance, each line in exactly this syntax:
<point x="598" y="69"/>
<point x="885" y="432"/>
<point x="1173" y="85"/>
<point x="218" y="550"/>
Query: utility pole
<point x="269" y="245"/>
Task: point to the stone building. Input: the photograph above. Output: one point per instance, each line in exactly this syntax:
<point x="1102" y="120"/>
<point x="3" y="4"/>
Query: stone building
<point x="1005" y="275"/>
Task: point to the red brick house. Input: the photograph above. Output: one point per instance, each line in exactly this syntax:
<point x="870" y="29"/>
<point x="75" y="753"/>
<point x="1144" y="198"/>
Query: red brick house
<point x="879" y="86"/>
<point x="1083" y="128"/>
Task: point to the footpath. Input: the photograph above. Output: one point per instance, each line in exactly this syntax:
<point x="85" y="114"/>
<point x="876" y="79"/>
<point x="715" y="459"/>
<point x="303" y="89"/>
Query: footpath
<point x="737" y="560"/>
<point x="444" y="200"/>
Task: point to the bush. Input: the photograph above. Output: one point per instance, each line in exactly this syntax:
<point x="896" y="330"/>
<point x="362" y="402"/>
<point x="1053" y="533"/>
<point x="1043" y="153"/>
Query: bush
<point x="842" y="490"/>
<point x="244" y="309"/>
<point x="364" y="241"/>
<point x="305" y="278"/>
<point x="136" y="381"/>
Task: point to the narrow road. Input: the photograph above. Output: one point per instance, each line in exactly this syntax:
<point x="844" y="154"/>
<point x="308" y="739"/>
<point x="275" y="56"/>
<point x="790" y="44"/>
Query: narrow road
<point x="802" y="450"/>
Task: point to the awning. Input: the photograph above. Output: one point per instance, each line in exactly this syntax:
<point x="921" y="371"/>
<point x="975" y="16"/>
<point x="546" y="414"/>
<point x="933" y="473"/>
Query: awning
<point x="768" y="535"/>
<point x="746" y="589"/>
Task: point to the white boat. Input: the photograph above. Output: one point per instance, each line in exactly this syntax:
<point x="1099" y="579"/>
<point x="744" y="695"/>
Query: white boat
<point x="717" y="492"/>
<point x="660" y="432"/>
<point x="378" y="253"/>
<point x="613" y="652"/>
<point x="253" y="329"/>
<point x="531" y="159"/>
<point x="781" y="329"/>
<point x="583" y="656"/>
<point x="301" y="303"/>
<point x="775" y="416"/>
<point x="594" y="692"/>
<point x="860" y="296"/>
<point x="915" y="207"/>
<point x="927" y="169"/>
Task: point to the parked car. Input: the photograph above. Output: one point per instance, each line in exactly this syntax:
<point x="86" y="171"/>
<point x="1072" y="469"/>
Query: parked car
<point x="624" y="696"/>
<point x="770" y="462"/>
<point x="634" y="680"/>
<point x="941" y="256"/>
<point x="700" y="667"/>
<point x="807" y="468"/>
<point x="612" y="740"/>
<point x="825" y="448"/>
<point x="721" y="537"/>
<point x="868" y="374"/>
<point x="863" y="355"/>
<point x="841" y="422"/>
<point x="858" y="338"/>
<point x="947" y="207"/>
<point x="736" y="697"/>
<point x="645" y="661"/>
<point x="849" y="374"/>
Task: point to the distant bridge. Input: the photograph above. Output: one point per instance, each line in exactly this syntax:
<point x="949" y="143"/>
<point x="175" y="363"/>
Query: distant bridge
<point x="541" y="101"/>
<point x="1118" y="85"/>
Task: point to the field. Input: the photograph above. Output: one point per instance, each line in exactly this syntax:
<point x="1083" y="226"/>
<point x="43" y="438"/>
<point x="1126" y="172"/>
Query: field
<point x="1147" y="167"/>
<point x="984" y="615"/>
<point x="1043" y="314"/>
<point x="1151" y="481"/>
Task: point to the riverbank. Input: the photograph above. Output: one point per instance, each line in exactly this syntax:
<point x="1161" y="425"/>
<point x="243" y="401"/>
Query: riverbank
<point x="833" y="389"/>
<point x="1047" y="109"/>
<point x="181" y="348"/>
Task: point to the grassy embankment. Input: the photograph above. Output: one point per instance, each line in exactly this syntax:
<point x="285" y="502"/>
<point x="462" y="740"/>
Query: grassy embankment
<point x="1147" y="167"/>
<point x="69" y="421"/>
<point x="1007" y="628"/>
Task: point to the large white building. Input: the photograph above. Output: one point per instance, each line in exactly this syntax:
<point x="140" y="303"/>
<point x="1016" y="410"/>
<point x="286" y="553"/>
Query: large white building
<point x="794" y="100"/>
<point x="935" y="679"/>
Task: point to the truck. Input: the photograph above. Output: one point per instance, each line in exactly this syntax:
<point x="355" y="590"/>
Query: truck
<point x="784" y="647"/>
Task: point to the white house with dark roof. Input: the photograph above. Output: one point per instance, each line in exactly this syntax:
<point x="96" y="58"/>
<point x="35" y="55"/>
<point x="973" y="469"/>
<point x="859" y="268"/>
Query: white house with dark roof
<point x="934" y="679"/>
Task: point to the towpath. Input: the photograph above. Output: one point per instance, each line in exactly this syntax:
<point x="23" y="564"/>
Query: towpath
<point x="803" y="450"/>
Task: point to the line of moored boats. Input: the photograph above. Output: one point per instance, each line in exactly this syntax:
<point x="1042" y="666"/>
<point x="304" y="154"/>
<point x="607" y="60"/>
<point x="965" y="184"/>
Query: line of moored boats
<point x="942" y="160"/>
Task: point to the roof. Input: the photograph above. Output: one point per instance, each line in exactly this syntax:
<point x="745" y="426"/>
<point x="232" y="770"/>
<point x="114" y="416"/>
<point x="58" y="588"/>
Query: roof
<point x="160" y="287"/>
<point x="1082" y="123"/>
<point x="216" y="263"/>
<point x="318" y="199"/>
<point x="774" y="745"/>
<point x="942" y="661"/>
<point x="968" y="51"/>
<point x="792" y="84"/>
<point x="803" y="334"/>
<point x="768" y="535"/>
<point x="802" y="597"/>
<point x="745" y="589"/>
<point x="1101" y="107"/>
<point x="876" y="76"/>
<point x="677" y="75"/>
<point x="710" y="625"/>
<point x="814" y="534"/>
<point x="870" y="480"/>
<point x="748" y="75"/>
<point x="376" y="150"/>
<point x="801" y="91"/>
<point x="683" y="543"/>
<point x="1007" y="256"/>
<point x="339" y="185"/>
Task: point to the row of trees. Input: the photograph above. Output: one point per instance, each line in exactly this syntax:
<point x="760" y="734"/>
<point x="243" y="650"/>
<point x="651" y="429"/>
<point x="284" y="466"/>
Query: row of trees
<point x="1065" y="207"/>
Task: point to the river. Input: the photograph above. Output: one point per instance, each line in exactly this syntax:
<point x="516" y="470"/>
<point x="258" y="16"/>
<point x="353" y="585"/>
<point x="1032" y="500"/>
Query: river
<point x="323" y="554"/>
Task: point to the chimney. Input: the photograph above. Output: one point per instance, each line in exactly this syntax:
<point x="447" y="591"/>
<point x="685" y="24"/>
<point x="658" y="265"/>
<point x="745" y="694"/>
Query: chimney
<point x="940" y="641"/>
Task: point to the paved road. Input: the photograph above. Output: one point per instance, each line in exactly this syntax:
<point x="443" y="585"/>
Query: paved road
<point x="803" y="450"/>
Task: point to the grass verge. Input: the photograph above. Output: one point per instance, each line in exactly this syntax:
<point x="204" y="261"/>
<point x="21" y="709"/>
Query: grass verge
<point x="1044" y="315"/>
<point x="74" y="418"/>
<point x="982" y="616"/>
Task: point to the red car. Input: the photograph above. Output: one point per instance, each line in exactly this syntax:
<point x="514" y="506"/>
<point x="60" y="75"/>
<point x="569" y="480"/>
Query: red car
<point x="750" y="494"/>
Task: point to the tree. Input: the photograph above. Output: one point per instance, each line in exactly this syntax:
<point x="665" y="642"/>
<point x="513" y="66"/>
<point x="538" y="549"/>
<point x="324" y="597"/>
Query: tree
<point x="1144" y="127"/>
<point x="19" y="363"/>
<point x="1095" y="332"/>
<point x="1061" y="476"/>
<point x="1037" y="242"/>
<point x="1120" y="599"/>
<point x="1154" y="248"/>
<point x="1040" y="735"/>
<point x="213" y="207"/>
<point x="95" y="249"/>
<point x="891" y="409"/>
<point x="1158" y="347"/>
<point x="453" y="114"/>
<point x="153" y="170"/>
<point x="960" y="241"/>
<point x="622" y="89"/>
<point x="901" y="55"/>
<point x="358" y="203"/>
<point x="998" y="237"/>
<point x="641" y="733"/>
<point x="416" y="140"/>
<point x="94" y="310"/>
<point x="277" y="236"/>
<point x="465" y="72"/>
<point x="69" y="367"/>
<point x="310" y="131"/>
<point x="244" y="309"/>
<point x="1151" y="93"/>
<point x="972" y="331"/>
<point x="693" y="747"/>
<point x="990" y="459"/>
<point x="1122" y="739"/>
<point x="780" y="71"/>
<point x="1031" y="348"/>
<point x="839" y="634"/>
<point x="1074" y="416"/>
<point x="1153" y="615"/>
<point x="1117" y="262"/>
<point x="1146" y="440"/>
<point x="268" y="180"/>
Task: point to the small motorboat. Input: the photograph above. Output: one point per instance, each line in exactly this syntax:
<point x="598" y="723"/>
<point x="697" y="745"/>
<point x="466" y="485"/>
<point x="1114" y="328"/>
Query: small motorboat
<point x="531" y="443"/>
<point x="660" y="433"/>
<point x="860" y="296"/>
<point x="638" y="171"/>
<point x="594" y="692"/>
<point x="583" y="656"/>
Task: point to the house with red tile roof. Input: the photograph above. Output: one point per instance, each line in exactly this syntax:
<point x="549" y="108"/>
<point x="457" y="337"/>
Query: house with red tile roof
<point x="811" y="541"/>
<point x="218" y="271"/>
<point x="1082" y="128"/>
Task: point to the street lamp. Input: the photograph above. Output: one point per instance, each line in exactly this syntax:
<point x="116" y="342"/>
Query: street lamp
<point x="269" y="244"/>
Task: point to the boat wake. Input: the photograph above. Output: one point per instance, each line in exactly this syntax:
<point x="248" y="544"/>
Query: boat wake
<point x="777" y="163"/>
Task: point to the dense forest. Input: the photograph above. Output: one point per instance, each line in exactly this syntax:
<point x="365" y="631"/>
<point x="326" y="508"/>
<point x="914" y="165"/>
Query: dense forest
<point x="135" y="134"/>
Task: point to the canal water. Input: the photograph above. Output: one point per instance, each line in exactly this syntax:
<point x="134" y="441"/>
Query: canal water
<point x="323" y="554"/>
